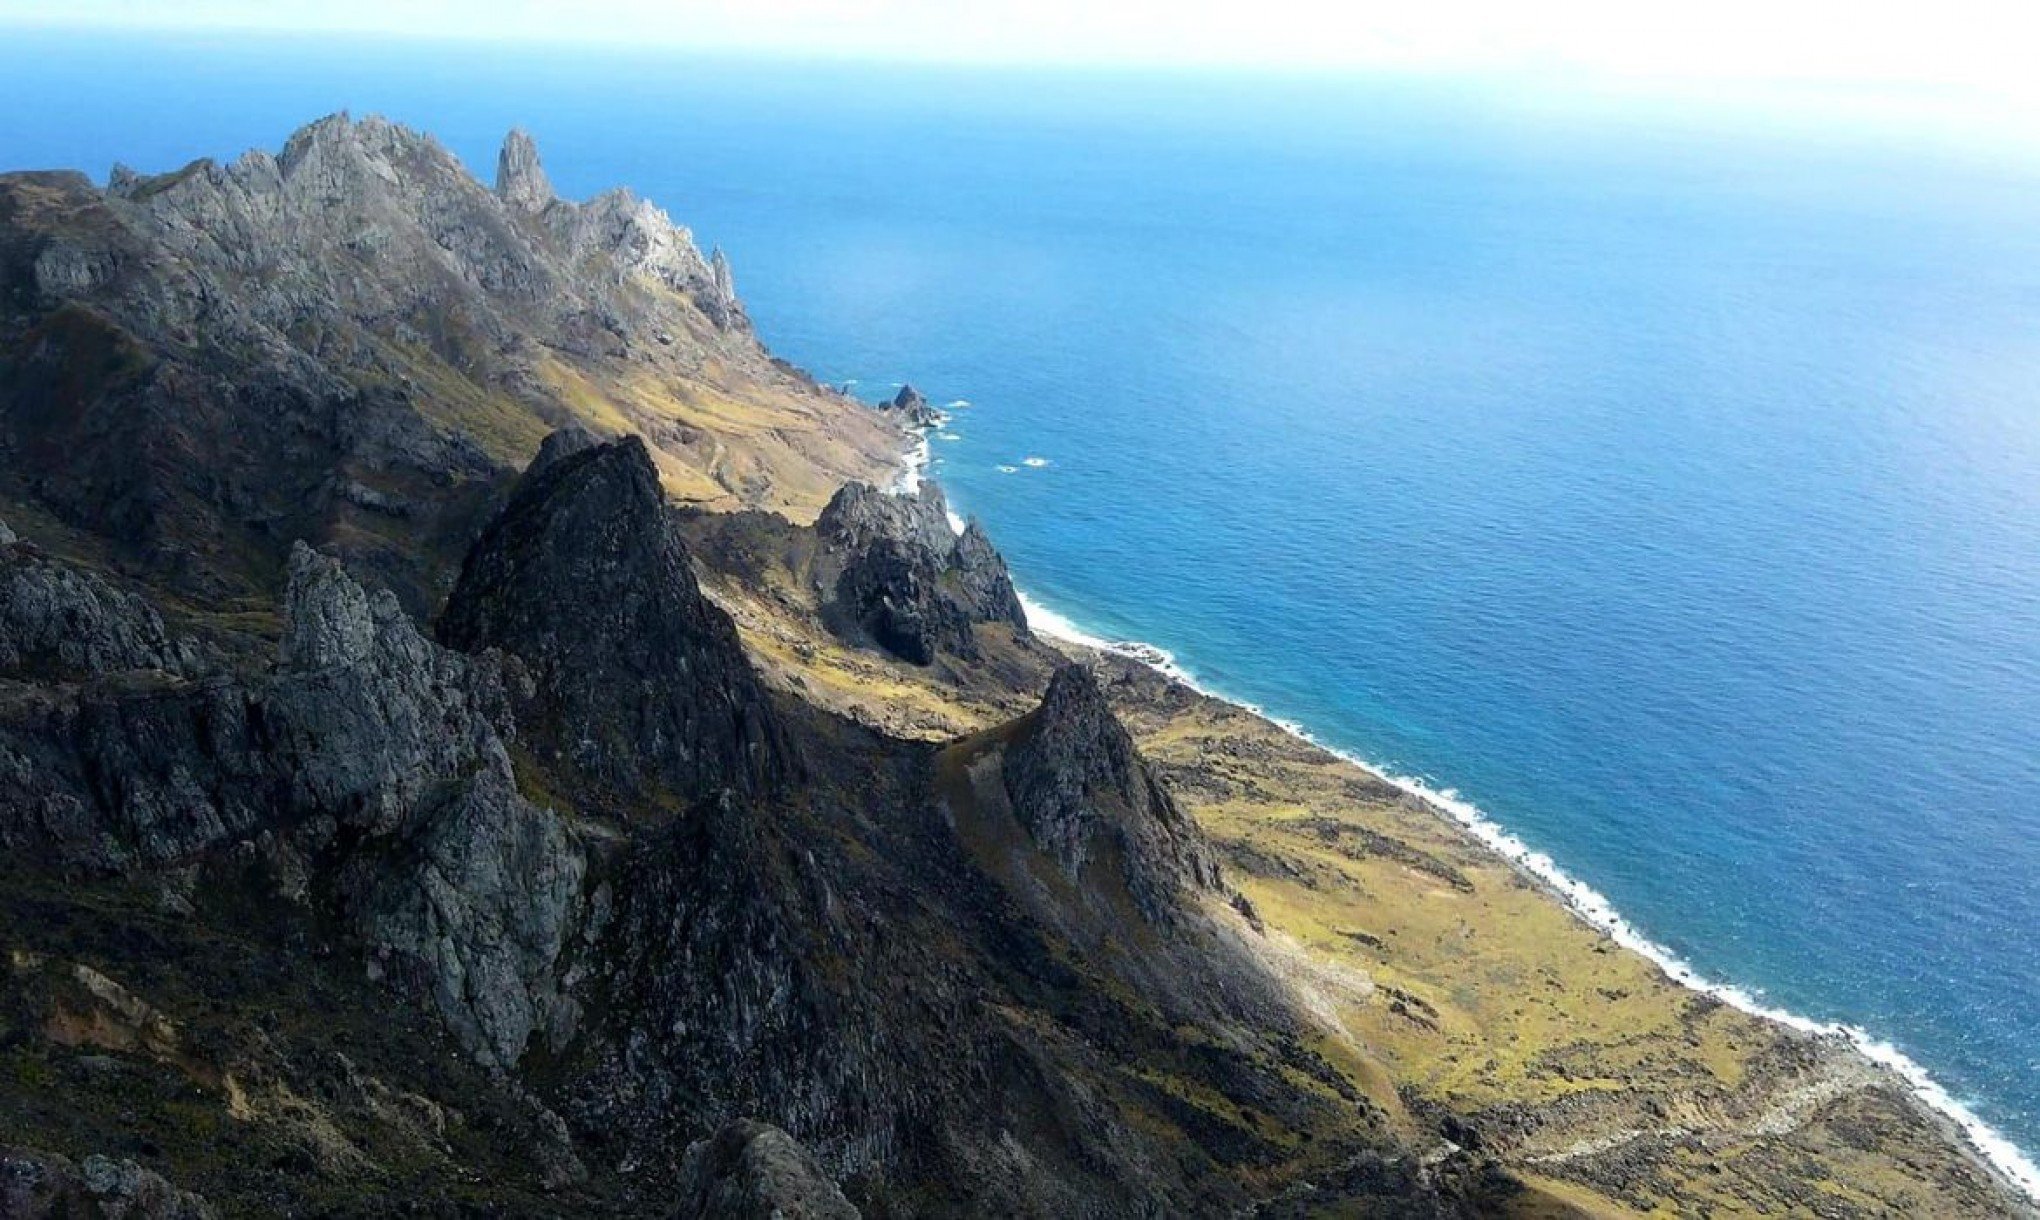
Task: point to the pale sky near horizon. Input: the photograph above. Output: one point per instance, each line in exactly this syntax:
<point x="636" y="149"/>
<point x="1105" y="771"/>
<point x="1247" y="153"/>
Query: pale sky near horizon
<point x="1975" y="55"/>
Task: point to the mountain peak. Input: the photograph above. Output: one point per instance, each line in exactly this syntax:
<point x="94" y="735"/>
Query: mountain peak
<point x="1083" y="793"/>
<point x="584" y="577"/>
<point x="521" y="180"/>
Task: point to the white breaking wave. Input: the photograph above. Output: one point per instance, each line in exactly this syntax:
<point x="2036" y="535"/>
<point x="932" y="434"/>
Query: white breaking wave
<point x="1036" y="462"/>
<point x="1009" y="470"/>
<point x="947" y="436"/>
<point x="1592" y="906"/>
<point x="912" y="467"/>
<point x="957" y="404"/>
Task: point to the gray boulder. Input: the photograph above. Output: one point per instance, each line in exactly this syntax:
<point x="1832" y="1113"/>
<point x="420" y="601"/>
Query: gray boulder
<point x="754" y="1171"/>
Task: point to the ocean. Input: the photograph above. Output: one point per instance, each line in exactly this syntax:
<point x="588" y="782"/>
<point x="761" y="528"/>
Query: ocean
<point x="1663" y="487"/>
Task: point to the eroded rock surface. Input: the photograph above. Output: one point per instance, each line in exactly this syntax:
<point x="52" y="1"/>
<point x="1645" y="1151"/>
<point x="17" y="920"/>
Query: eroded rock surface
<point x="1087" y="798"/>
<point x="753" y="1171"/>
<point x="59" y="619"/>
<point x="640" y="683"/>
<point x="895" y="572"/>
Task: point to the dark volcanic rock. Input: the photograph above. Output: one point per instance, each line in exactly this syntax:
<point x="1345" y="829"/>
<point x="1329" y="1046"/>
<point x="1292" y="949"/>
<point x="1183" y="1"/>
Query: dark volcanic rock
<point x="641" y="684"/>
<point x="57" y="619"/>
<point x="914" y="409"/>
<point x="369" y="748"/>
<point x="1086" y="797"/>
<point x="893" y="570"/>
<point x="752" y="1171"/>
<point x="38" y="1186"/>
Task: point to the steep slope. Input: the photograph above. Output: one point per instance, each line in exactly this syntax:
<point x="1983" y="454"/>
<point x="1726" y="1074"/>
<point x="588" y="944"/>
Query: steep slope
<point x="694" y="933"/>
<point x="619" y="892"/>
<point x="353" y="342"/>
<point x="641" y="681"/>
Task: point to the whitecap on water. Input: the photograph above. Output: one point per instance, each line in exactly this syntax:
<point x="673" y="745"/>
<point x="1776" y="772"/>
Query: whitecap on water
<point x="1036" y="462"/>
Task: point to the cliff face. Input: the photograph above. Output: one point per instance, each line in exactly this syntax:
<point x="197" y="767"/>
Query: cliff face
<point x="895" y="574"/>
<point x="637" y="681"/>
<point x="564" y="907"/>
<point x="1085" y="797"/>
<point x="355" y="343"/>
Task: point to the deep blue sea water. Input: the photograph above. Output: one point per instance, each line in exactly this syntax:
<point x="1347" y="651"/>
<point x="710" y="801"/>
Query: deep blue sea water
<point x="1667" y="488"/>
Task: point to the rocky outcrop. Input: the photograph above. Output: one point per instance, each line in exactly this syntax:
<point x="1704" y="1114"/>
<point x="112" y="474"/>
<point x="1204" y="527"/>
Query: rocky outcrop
<point x="521" y="181"/>
<point x="754" y="1171"/>
<point x="890" y="569"/>
<point x="475" y="910"/>
<point x="1090" y="802"/>
<point x="57" y="619"/>
<point x="369" y="750"/>
<point x="366" y="718"/>
<point x="913" y="410"/>
<point x="355" y="343"/>
<point x="639" y="684"/>
<point x="40" y="1186"/>
<point x="720" y="301"/>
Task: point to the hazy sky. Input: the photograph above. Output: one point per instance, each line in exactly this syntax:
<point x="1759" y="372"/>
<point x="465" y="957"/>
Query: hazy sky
<point x="1977" y="49"/>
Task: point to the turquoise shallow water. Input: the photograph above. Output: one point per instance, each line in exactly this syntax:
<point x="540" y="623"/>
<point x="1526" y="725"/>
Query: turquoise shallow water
<point x="1670" y="491"/>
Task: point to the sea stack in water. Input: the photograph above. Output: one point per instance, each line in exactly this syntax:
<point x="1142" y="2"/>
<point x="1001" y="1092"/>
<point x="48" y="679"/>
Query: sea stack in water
<point x="914" y="409"/>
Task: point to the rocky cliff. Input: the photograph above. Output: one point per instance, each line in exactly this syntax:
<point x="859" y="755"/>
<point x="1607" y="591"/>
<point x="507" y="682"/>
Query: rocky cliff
<point x="355" y="343"/>
<point x="896" y="575"/>
<point x="642" y="683"/>
<point x="408" y="804"/>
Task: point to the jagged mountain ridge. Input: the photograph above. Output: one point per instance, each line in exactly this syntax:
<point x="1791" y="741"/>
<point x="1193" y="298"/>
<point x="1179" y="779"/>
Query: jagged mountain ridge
<point x="464" y="858"/>
<point x="647" y="898"/>
<point x="356" y="343"/>
<point x="823" y="955"/>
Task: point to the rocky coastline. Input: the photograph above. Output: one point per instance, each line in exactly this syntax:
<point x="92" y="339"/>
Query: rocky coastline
<point x="475" y="738"/>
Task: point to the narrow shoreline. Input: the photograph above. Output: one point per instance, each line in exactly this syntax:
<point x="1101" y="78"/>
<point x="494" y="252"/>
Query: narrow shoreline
<point x="2014" y="1169"/>
<point x="2017" y="1172"/>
